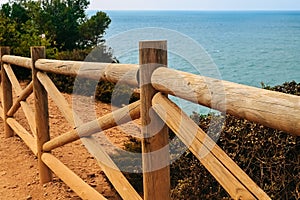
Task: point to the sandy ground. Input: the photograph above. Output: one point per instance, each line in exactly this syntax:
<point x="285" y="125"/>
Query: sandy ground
<point x="19" y="178"/>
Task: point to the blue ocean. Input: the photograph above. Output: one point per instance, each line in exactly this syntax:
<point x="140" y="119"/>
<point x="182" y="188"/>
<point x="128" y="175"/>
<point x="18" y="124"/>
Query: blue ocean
<point x="247" y="47"/>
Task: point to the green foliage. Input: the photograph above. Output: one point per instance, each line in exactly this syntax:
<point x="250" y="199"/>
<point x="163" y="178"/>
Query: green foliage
<point x="8" y="31"/>
<point x="16" y="12"/>
<point x="287" y="87"/>
<point x="270" y="157"/>
<point x="61" y="19"/>
<point x="18" y="31"/>
<point x="20" y="34"/>
<point x="101" y="53"/>
<point x="59" y="25"/>
<point x="93" y="29"/>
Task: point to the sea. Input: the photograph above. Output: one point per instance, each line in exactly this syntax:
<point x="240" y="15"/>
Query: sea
<point x="246" y="47"/>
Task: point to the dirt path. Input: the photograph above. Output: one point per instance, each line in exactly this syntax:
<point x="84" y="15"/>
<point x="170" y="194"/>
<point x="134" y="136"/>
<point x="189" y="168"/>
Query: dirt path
<point x="19" y="179"/>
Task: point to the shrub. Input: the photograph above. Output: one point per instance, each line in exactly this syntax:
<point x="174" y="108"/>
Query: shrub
<point x="270" y="157"/>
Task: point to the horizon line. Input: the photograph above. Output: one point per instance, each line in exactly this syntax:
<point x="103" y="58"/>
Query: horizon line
<point x="203" y="10"/>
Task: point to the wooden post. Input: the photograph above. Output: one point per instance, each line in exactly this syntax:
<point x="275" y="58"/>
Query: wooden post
<point x="155" y="148"/>
<point x="7" y="97"/>
<point x="41" y="114"/>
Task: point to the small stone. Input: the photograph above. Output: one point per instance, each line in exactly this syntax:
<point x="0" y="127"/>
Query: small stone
<point x="29" y="197"/>
<point x="3" y="173"/>
<point x="67" y="196"/>
<point x="69" y="190"/>
<point x="13" y="187"/>
<point x="91" y="175"/>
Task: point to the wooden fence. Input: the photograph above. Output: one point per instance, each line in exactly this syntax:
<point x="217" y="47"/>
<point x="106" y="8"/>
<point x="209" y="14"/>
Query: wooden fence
<point x="276" y="110"/>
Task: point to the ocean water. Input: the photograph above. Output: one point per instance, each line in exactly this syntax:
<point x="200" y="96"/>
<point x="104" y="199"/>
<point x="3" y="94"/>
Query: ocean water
<point x="247" y="47"/>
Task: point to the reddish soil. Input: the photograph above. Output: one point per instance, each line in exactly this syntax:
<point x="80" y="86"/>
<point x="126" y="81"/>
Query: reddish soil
<point x="19" y="177"/>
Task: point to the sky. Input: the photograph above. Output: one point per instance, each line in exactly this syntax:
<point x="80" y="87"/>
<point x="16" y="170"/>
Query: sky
<point x="192" y="4"/>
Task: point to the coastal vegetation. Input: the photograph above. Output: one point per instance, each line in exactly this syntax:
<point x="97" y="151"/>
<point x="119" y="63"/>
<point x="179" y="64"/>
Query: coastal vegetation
<point x="60" y="25"/>
<point x="64" y="28"/>
<point x="270" y="157"/>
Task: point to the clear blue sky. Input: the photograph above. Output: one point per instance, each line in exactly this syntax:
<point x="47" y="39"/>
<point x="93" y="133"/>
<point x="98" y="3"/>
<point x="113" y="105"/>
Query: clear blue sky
<point x="192" y="4"/>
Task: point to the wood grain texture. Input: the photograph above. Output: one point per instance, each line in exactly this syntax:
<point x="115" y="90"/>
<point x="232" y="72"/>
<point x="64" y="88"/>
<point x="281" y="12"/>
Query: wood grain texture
<point x="29" y="113"/>
<point x="58" y="98"/>
<point x="273" y="109"/>
<point x="80" y="187"/>
<point x="121" y="73"/>
<point x="118" y="117"/>
<point x="125" y="73"/>
<point x="155" y="148"/>
<point x="7" y="95"/>
<point x="18" y="61"/>
<point x="22" y="97"/>
<point x="13" y="79"/>
<point x="234" y="180"/>
<point x="265" y="107"/>
<point x="41" y="114"/>
<point x="24" y="134"/>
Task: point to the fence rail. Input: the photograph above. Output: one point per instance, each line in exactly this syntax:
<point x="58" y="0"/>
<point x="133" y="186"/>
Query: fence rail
<point x="156" y="82"/>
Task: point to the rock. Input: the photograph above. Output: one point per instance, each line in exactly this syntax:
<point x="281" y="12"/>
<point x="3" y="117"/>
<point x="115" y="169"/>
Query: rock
<point x="91" y="175"/>
<point x="69" y="190"/>
<point x="3" y="173"/>
<point x="29" y="197"/>
<point x="13" y="187"/>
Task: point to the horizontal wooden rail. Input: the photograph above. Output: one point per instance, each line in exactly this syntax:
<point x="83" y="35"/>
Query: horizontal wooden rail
<point x="81" y="188"/>
<point x="126" y="73"/>
<point x="120" y="116"/>
<point x="254" y="104"/>
<point x="18" y="61"/>
<point x="234" y="180"/>
<point x="269" y="108"/>
<point x="273" y="109"/>
<point x="112" y="72"/>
